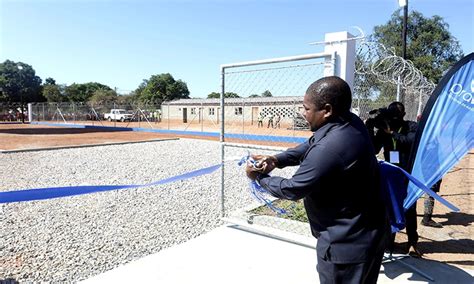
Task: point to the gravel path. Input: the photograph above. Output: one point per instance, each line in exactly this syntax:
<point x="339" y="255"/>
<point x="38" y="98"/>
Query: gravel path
<point x="73" y="238"/>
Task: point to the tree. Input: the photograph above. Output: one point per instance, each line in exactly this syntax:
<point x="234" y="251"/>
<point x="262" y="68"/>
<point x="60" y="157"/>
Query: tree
<point x="267" y="93"/>
<point x="83" y="92"/>
<point x="254" y="96"/>
<point x="215" y="95"/>
<point x="19" y="83"/>
<point x="162" y="87"/>
<point x="49" y="81"/>
<point x="102" y="97"/>
<point x="430" y="45"/>
<point x="53" y="93"/>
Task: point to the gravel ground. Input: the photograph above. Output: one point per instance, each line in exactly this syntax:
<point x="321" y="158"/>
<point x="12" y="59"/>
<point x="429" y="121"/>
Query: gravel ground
<point x="73" y="238"/>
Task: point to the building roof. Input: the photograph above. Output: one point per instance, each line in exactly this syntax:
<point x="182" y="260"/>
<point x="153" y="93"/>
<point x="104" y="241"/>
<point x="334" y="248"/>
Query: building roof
<point x="239" y="101"/>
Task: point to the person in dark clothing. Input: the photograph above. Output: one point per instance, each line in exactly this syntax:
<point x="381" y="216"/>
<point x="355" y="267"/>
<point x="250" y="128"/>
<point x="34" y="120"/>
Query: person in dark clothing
<point x="338" y="177"/>
<point x="429" y="205"/>
<point x="397" y="136"/>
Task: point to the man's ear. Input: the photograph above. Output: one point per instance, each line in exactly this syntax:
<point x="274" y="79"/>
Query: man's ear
<point x="328" y="110"/>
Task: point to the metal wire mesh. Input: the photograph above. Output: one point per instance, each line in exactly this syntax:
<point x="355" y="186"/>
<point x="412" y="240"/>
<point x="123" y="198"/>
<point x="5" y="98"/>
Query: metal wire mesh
<point x="268" y="114"/>
<point x="381" y="77"/>
<point x="145" y="115"/>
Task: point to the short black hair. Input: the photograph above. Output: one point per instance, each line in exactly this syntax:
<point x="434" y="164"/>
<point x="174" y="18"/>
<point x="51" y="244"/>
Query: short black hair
<point x="397" y="109"/>
<point x="331" y="90"/>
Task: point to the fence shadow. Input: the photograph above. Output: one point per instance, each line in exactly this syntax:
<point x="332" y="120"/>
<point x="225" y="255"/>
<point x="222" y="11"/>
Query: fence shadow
<point x="465" y="246"/>
<point x="454" y="218"/>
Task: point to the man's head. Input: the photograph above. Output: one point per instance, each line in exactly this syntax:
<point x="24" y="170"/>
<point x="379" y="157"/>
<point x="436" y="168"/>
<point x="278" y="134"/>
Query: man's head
<point x="325" y="99"/>
<point x="397" y="111"/>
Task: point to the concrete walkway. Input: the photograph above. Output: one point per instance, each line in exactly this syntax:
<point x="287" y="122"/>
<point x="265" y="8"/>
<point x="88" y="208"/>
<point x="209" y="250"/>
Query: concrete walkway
<point x="230" y="254"/>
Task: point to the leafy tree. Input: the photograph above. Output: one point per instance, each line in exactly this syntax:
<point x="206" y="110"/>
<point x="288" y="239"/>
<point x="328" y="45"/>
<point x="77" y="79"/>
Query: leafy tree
<point x="254" y="96"/>
<point x="49" y="81"/>
<point x="54" y="93"/>
<point x="267" y="93"/>
<point x="103" y="96"/>
<point x="83" y="92"/>
<point x="430" y="45"/>
<point x="19" y="83"/>
<point x="215" y="95"/>
<point x="162" y="87"/>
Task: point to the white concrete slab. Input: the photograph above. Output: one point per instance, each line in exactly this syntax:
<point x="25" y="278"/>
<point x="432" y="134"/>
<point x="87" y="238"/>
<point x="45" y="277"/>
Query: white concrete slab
<point x="224" y="255"/>
<point x="231" y="255"/>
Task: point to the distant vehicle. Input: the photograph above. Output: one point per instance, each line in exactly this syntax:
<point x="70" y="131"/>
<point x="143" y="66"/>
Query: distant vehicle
<point x="118" y="115"/>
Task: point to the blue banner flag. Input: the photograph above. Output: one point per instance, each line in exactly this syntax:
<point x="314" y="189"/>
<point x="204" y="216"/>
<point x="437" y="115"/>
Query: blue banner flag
<point x="446" y="131"/>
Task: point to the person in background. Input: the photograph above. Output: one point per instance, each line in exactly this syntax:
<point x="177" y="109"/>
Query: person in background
<point x="338" y="177"/>
<point x="277" y="120"/>
<point x="396" y="136"/>
<point x="429" y="205"/>
<point x="260" y="120"/>
<point x="270" y="120"/>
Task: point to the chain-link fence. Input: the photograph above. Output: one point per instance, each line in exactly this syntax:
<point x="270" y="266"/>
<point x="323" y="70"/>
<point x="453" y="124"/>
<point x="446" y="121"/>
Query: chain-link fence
<point x="12" y="112"/>
<point x="268" y="120"/>
<point x="104" y="114"/>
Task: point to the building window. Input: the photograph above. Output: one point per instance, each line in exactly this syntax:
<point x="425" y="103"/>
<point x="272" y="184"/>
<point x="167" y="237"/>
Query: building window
<point x="238" y="111"/>
<point x="211" y="111"/>
<point x="193" y="110"/>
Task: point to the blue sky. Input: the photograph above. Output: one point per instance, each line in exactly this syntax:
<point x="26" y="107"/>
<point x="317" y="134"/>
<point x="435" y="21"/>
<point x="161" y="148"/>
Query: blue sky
<point x="120" y="43"/>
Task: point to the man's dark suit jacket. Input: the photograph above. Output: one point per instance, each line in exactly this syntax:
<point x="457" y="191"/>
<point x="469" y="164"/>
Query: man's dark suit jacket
<point x="338" y="177"/>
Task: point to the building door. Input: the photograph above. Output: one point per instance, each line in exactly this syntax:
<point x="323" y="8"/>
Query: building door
<point x="254" y="114"/>
<point x="185" y="115"/>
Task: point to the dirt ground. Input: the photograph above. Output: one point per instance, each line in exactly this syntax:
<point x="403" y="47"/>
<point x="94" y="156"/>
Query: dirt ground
<point x="452" y="244"/>
<point x="15" y="136"/>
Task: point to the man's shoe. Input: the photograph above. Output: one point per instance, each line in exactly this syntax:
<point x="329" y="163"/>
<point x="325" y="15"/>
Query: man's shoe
<point x="414" y="252"/>
<point x="431" y="223"/>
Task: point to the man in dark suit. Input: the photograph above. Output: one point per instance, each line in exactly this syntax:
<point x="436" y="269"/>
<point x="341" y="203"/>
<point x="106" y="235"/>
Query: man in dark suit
<point x="338" y="177"/>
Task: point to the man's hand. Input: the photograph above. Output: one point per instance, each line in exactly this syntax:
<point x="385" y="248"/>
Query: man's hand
<point x="251" y="171"/>
<point x="386" y="128"/>
<point x="263" y="165"/>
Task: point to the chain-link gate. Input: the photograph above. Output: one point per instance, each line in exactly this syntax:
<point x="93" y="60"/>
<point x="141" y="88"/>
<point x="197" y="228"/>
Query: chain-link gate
<point x="266" y="121"/>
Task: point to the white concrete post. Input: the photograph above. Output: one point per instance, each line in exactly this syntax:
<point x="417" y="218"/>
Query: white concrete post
<point x="341" y="44"/>
<point x="30" y="112"/>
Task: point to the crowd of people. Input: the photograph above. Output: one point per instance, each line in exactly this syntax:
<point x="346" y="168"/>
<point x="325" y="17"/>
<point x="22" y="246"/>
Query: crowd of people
<point x="339" y="178"/>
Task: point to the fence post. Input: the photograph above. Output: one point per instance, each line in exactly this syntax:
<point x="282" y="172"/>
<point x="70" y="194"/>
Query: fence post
<point x="222" y="139"/>
<point x="201" y="116"/>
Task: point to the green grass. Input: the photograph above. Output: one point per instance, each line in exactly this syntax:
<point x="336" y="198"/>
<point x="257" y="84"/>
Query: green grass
<point x="294" y="210"/>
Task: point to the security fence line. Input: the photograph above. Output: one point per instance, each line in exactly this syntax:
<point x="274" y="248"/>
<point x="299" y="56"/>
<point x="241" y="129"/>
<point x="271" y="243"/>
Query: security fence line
<point x="275" y="117"/>
<point x="382" y="77"/>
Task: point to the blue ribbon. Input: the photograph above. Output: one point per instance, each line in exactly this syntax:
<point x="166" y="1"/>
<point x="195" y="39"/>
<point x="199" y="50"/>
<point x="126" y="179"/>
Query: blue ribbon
<point x="394" y="191"/>
<point x="258" y="191"/>
<point x="421" y="186"/>
<point x="56" y="192"/>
